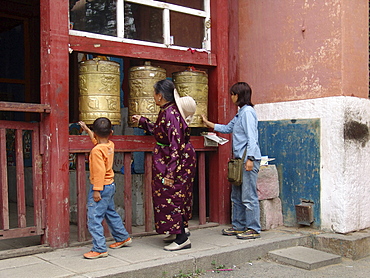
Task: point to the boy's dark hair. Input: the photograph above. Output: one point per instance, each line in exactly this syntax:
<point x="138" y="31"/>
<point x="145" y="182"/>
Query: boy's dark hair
<point x="166" y="88"/>
<point x="102" y="127"/>
<point x="244" y="92"/>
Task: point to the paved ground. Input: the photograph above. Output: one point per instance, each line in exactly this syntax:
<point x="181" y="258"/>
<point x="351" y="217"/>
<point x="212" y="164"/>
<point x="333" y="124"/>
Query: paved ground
<point x="210" y="251"/>
<point x="146" y="257"/>
<point x="267" y="269"/>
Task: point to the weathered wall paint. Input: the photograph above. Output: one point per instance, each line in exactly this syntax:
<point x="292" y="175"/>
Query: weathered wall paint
<point x="303" y="49"/>
<point x="54" y="91"/>
<point x="344" y="153"/>
<point x="295" y="145"/>
<point x="355" y="49"/>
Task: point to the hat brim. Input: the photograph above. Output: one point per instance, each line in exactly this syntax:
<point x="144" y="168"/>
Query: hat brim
<point x="177" y="98"/>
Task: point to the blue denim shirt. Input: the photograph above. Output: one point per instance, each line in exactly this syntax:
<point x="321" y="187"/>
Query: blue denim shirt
<point x="244" y="127"/>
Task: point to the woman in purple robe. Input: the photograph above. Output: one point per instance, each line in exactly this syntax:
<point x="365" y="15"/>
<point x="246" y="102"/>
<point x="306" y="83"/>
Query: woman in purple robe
<point x="174" y="162"/>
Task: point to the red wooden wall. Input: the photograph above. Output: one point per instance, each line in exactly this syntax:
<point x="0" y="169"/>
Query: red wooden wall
<point x="55" y="44"/>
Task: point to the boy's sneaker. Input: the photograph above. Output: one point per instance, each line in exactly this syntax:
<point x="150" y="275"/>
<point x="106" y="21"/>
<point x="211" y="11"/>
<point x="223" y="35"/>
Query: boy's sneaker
<point x="248" y="234"/>
<point x="121" y="243"/>
<point x="95" y="255"/>
<point x="231" y="232"/>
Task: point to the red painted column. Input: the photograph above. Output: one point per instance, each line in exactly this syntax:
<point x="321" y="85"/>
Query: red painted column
<point x="54" y="126"/>
<point x="224" y="45"/>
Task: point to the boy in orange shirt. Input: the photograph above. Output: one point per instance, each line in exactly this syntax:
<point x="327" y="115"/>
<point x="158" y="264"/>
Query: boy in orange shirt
<point x="100" y="202"/>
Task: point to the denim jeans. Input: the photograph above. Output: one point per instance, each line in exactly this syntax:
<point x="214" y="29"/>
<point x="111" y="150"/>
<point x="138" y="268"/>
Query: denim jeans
<point x="104" y="209"/>
<point x="245" y="204"/>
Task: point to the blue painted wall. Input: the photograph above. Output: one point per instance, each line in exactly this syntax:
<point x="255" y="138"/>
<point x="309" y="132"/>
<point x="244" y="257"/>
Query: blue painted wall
<point x="295" y="145"/>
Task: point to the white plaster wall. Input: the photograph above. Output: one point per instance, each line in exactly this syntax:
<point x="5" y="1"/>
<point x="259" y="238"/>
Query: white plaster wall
<point x="345" y="164"/>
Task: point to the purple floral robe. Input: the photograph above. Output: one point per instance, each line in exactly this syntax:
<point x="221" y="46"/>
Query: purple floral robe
<point x="174" y="158"/>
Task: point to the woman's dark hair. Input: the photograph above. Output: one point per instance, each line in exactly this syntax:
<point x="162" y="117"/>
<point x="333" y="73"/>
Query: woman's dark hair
<point x="102" y="127"/>
<point x="165" y="87"/>
<point x="244" y="92"/>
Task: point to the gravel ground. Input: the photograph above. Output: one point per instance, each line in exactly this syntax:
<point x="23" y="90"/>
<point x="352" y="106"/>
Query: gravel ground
<point x="264" y="268"/>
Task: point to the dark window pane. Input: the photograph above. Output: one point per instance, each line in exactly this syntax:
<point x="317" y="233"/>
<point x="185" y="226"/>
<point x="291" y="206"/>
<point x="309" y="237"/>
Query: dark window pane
<point x="11" y="92"/>
<point x="98" y="16"/>
<point x="187" y="30"/>
<point x="12" y="47"/>
<point x="143" y="23"/>
<point x="194" y="4"/>
<point x="14" y="93"/>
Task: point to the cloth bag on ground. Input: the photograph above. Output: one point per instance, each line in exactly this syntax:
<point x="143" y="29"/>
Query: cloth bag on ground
<point x="235" y="170"/>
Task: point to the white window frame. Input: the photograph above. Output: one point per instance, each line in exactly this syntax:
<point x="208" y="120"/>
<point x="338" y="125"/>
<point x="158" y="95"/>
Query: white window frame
<point x="206" y="45"/>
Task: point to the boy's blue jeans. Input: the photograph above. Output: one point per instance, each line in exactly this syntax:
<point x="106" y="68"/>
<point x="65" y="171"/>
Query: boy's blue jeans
<point x="104" y="209"/>
<point x="245" y="204"/>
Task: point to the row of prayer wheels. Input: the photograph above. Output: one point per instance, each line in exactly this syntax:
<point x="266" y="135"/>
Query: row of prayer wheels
<point x="99" y="83"/>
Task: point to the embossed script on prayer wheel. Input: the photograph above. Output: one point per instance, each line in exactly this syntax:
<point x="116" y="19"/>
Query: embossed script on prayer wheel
<point x="99" y="83"/>
<point x="194" y="83"/>
<point x="141" y="82"/>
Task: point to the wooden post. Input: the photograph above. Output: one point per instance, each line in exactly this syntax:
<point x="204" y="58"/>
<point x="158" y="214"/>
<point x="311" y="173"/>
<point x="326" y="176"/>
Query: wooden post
<point x="54" y="59"/>
<point x="222" y="110"/>
<point x="21" y="193"/>
<point x="4" y="214"/>
<point x="82" y="233"/>
<point x="148" y="204"/>
<point x="128" y="191"/>
<point x="38" y="205"/>
<point x="202" y="188"/>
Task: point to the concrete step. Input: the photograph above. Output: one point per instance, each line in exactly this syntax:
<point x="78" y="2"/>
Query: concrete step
<point x="304" y="257"/>
<point x="353" y="245"/>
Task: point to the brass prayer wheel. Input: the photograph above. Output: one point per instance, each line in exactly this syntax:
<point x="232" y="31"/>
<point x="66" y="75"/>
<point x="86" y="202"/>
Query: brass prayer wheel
<point x="194" y="83"/>
<point x="141" y="82"/>
<point x="99" y="83"/>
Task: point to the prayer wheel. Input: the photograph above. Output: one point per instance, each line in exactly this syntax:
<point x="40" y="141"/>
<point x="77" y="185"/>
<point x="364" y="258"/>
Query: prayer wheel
<point x="194" y="83"/>
<point x="99" y="83"/>
<point x="141" y="82"/>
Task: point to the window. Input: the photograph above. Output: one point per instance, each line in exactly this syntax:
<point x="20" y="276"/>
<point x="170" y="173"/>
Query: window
<point x="173" y="24"/>
<point x="12" y="70"/>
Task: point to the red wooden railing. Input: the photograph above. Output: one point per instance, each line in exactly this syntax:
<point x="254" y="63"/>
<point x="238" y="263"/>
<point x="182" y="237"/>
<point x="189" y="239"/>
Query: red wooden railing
<point x="128" y="144"/>
<point x="22" y="228"/>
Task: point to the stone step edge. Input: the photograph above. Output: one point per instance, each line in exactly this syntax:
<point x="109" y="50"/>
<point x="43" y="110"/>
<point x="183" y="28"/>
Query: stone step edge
<point x="203" y="260"/>
<point x="304" y="257"/>
<point x="352" y="246"/>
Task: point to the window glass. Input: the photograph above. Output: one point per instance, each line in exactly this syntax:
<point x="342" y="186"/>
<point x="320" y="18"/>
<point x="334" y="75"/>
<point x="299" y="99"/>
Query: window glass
<point x="15" y="93"/>
<point x="11" y="92"/>
<point x="190" y="34"/>
<point x="194" y="4"/>
<point x="12" y="46"/>
<point x="143" y="23"/>
<point x="98" y="16"/>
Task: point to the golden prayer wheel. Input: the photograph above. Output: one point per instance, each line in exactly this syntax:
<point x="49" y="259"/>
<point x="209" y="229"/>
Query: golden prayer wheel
<point x="194" y="83"/>
<point x="141" y="82"/>
<point x="99" y="83"/>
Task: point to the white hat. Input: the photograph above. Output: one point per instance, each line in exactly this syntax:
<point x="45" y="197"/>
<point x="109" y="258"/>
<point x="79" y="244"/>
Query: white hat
<point x="186" y="105"/>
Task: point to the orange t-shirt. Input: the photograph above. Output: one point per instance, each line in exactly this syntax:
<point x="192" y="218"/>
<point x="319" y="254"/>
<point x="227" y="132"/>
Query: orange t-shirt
<point x="101" y="163"/>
